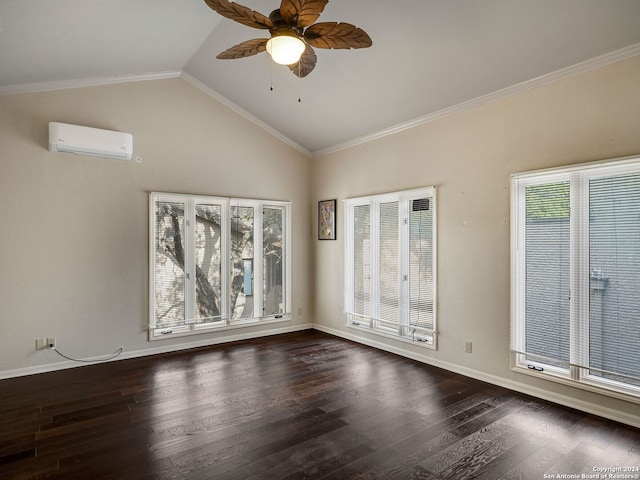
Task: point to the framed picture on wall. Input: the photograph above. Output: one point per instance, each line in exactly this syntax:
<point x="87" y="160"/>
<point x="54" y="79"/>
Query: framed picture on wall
<point x="327" y="220"/>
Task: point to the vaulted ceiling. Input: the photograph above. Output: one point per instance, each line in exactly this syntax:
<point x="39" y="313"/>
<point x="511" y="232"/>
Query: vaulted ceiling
<point x="428" y="57"/>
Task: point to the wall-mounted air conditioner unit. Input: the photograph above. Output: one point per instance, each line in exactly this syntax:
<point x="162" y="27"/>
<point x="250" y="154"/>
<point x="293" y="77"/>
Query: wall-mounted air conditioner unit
<point x="64" y="137"/>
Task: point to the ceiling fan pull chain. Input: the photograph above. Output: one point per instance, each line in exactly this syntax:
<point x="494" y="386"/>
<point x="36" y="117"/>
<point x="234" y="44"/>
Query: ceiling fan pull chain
<point x="299" y="81"/>
<point x="271" y="76"/>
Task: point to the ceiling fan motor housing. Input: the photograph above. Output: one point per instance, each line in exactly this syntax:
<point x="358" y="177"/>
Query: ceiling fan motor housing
<point x="281" y="27"/>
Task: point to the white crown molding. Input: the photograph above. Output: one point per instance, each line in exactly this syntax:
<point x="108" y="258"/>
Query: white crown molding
<point x="582" y="67"/>
<point x="83" y="82"/>
<point x="243" y="113"/>
<point x="588" y="65"/>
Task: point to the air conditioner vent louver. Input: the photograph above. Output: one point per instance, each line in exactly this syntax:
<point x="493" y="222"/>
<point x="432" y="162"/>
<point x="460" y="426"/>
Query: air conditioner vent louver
<point x="67" y="138"/>
<point x="420" y="205"/>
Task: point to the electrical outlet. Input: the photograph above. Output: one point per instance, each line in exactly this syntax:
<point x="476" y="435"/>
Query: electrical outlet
<point x="51" y="342"/>
<point x="467" y="347"/>
<point x="41" y="343"/>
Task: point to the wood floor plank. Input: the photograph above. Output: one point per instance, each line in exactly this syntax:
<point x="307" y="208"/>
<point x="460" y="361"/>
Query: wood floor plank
<point x="305" y="405"/>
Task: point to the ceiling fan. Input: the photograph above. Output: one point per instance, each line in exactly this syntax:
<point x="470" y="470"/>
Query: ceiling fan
<point x="293" y="33"/>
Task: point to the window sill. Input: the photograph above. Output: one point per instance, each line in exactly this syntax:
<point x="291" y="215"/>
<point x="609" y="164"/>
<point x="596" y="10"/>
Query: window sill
<point x="585" y="384"/>
<point x="431" y="344"/>
<point x="195" y="329"/>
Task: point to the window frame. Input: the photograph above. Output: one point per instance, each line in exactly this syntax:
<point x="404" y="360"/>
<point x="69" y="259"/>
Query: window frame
<point x="576" y="373"/>
<point x="425" y="337"/>
<point x="225" y="322"/>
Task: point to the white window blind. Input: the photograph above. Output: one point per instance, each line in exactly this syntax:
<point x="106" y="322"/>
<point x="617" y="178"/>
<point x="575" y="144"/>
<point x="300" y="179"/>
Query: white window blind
<point x="421" y="264"/>
<point x="216" y="263"/>
<point x="390" y="264"/>
<point x="242" y="259"/>
<point x="388" y="253"/>
<point x="208" y="261"/>
<point x="576" y="274"/>
<point x="547" y="254"/>
<point x="168" y="262"/>
<point x="614" y="278"/>
<point x="274" y="260"/>
<point x="361" y="254"/>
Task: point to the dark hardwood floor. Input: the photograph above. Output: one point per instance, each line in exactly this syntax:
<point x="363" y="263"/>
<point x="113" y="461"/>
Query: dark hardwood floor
<point x="295" y="406"/>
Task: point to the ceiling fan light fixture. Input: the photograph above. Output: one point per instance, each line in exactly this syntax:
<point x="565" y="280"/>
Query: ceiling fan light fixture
<point x="285" y="49"/>
<point x="294" y="33"/>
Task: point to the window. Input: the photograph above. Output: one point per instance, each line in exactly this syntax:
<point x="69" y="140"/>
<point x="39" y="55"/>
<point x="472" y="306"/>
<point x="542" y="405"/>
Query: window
<point x="216" y="262"/>
<point x="575" y="313"/>
<point x="390" y="269"/>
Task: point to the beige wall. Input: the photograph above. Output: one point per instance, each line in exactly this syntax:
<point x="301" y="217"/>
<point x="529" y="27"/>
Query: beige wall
<point x="469" y="157"/>
<point x="74" y="236"/>
<point x="74" y="229"/>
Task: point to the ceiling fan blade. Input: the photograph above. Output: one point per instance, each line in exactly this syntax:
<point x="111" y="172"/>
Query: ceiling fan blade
<point x="301" y="13"/>
<point x="306" y="64"/>
<point x="240" y="14"/>
<point x="245" y="49"/>
<point x="337" y="35"/>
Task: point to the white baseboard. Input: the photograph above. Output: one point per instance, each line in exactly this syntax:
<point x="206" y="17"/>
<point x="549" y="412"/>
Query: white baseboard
<point x="581" y="405"/>
<point x="52" y="367"/>
<point x="599" y="410"/>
